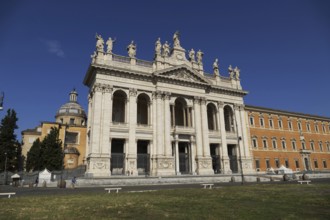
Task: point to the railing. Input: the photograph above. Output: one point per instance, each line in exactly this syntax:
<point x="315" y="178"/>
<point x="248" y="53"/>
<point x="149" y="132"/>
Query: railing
<point x="144" y="63"/>
<point x="121" y="59"/>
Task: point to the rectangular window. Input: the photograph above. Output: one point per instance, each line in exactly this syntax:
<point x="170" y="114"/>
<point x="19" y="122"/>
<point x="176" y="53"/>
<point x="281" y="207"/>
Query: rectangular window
<point x="312" y="146"/>
<point x="254" y="143"/>
<point x="283" y="144"/>
<point x="316" y="164"/>
<point x="277" y="163"/>
<point x="264" y="142"/>
<point x="287" y="163"/>
<point x="297" y="163"/>
<point x="267" y="163"/>
<point x="71" y="138"/>
<point x="299" y="126"/>
<point x="303" y="146"/>
<point x="323" y="128"/>
<point x="262" y="122"/>
<point x="328" y="146"/>
<point x="321" y="146"/>
<point x="316" y="128"/>
<point x="271" y="123"/>
<point x="325" y="164"/>
<point x="293" y="143"/>
<point x="280" y="124"/>
<point x="71" y="121"/>
<point x="257" y="164"/>
<point x="290" y="125"/>
<point x="308" y="127"/>
<point x="251" y="121"/>
<point x="274" y="144"/>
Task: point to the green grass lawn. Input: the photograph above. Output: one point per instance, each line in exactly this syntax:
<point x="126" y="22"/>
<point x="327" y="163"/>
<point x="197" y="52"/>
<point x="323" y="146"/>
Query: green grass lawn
<point x="287" y="201"/>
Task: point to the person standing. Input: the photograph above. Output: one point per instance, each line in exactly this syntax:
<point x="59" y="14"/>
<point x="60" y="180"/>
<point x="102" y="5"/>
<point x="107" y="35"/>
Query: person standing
<point x="73" y="182"/>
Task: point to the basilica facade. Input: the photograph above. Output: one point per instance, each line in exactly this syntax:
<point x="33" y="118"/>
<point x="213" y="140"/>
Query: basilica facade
<point x="163" y="117"/>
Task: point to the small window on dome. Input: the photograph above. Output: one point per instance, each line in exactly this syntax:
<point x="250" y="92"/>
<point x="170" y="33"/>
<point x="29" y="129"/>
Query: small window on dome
<point x="61" y="120"/>
<point x="71" y="121"/>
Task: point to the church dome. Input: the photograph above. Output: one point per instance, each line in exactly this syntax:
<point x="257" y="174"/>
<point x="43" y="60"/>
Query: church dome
<point x="71" y="112"/>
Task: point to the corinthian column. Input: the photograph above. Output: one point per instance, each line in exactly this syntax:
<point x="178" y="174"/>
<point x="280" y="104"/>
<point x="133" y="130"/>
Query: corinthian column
<point x="225" y="165"/>
<point x="132" y="148"/>
<point x="198" y="127"/>
<point x="205" y="129"/>
<point x="167" y="125"/>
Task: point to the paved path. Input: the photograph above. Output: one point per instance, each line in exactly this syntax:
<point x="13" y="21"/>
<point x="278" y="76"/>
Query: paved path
<point x="40" y="191"/>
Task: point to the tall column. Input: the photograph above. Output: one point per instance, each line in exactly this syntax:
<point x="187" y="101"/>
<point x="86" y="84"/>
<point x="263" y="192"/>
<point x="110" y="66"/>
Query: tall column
<point x="198" y="127"/>
<point x="106" y="119"/>
<point x="164" y="159"/>
<point x="132" y="142"/>
<point x="167" y="125"/>
<point x="247" y="162"/>
<point x="177" y="161"/>
<point x="98" y="160"/>
<point x="160" y="126"/>
<point x="225" y="165"/>
<point x="154" y="150"/>
<point x="205" y="129"/>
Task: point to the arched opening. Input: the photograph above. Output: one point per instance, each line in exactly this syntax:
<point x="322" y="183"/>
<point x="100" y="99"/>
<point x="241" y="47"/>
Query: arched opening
<point x="119" y="106"/>
<point x="229" y="120"/>
<point x="212" y="117"/>
<point x="143" y="109"/>
<point x="180" y="112"/>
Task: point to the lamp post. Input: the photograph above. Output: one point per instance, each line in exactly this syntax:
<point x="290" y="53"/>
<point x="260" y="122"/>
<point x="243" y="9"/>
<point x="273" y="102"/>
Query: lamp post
<point x="6" y="169"/>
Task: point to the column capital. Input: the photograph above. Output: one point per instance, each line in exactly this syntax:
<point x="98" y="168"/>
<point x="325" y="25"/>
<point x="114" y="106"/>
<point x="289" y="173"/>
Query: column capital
<point x="132" y="92"/>
<point x="167" y="95"/>
<point x="238" y="107"/>
<point x="158" y="94"/>
<point x="100" y="87"/>
<point x="203" y="100"/>
<point x="197" y="99"/>
<point x="221" y="104"/>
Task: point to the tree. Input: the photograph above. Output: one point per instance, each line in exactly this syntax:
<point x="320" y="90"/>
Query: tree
<point x="33" y="160"/>
<point x="10" y="148"/>
<point x="51" y="151"/>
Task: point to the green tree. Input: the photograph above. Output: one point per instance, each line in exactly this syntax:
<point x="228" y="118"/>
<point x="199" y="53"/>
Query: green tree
<point x="51" y="151"/>
<point x="10" y="148"/>
<point x="33" y="160"/>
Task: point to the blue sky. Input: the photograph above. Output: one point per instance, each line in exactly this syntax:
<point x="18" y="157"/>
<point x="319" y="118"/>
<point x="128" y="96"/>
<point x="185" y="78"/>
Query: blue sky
<point x="282" y="47"/>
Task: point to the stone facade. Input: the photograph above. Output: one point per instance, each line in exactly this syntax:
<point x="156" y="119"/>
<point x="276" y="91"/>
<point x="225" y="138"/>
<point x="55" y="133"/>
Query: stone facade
<point x="163" y="117"/>
<point x="298" y="141"/>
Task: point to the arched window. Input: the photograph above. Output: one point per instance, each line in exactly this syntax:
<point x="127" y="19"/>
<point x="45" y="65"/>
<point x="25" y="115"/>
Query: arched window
<point x="228" y="114"/>
<point x="212" y="117"/>
<point x="143" y="109"/>
<point x="180" y="112"/>
<point x="119" y="106"/>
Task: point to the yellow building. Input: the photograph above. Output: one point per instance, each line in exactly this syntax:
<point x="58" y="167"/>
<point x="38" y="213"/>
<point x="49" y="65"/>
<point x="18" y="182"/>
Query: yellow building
<point x="71" y="122"/>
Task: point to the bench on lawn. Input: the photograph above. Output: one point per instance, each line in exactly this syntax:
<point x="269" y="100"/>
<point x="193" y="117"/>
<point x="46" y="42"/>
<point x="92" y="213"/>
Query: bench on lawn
<point x="8" y="194"/>
<point x="304" y="181"/>
<point x="207" y="185"/>
<point x="112" y="189"/>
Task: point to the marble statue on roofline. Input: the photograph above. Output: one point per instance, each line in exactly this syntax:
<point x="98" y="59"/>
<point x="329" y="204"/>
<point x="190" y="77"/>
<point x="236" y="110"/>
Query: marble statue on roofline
<point x="192" y="55"/>
<point x="166" y="49"/>
<point x="158" y="47"/>
<point x="216" y="67"/>
<point x="131" y="49"/>
<point x="109" y="44"/>
<point x="99" y="43"/>
<point x="176" y="40"/>
<point x="237" y="73"/>
<point x="231" y="72"/>
<point x="199" y="56"/>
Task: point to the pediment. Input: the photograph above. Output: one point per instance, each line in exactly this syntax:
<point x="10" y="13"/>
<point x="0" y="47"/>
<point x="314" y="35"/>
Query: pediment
<point x="182" y="73"/>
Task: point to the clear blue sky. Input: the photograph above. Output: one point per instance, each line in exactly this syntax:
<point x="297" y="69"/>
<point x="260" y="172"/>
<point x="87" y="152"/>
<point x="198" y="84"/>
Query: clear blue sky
<point x="282" y="47"/>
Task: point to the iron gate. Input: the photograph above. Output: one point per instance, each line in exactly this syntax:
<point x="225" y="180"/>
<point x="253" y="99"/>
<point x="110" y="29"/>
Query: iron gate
<point x="117" y="163"/>
<point x="143" y="164"/>
<point x="216" y="163"/>
<point x="233" y="164"/>
<point x="184" y="163"/>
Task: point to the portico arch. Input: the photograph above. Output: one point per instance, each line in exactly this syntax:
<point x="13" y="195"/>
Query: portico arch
<point x="119" y="106"/>
<point x="143" y="111"/>
<point x="229" y="118"/>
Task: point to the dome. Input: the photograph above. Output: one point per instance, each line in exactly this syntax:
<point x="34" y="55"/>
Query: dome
<point x="71" y="110"/>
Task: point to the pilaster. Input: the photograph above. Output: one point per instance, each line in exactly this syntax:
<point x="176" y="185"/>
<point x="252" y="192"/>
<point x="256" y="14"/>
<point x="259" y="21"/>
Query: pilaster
<point x="225" y="165"/>
<point x="132" y="145"/>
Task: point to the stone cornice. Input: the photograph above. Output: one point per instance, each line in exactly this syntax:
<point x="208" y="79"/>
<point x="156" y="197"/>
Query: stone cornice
<point x="286" y="113"/>
<point x="157" y="77"/>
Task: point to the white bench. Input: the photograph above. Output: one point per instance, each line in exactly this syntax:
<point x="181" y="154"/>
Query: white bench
<point x="112" y="189"/>
<point x="304" y="181"/>
<point x="8" y="194"/>
<point x="209" y="185"/>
